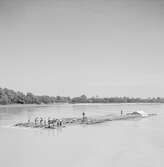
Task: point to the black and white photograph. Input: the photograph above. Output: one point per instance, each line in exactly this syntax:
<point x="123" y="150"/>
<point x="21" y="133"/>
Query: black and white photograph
<point x="81" y="83"/>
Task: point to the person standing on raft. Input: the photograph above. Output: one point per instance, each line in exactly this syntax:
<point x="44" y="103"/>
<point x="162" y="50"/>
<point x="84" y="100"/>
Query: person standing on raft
<point x="121" y="112"/>
<point x="36" y="120"/>
<point x="83" y="116"/>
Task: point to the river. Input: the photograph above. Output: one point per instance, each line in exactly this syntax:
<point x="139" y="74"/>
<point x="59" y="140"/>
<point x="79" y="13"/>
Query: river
<point x="126" y="143"/>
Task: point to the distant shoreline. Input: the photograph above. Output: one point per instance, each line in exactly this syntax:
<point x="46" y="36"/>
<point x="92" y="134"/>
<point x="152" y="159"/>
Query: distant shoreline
<point x="48" y="105"/>
<point x="8" y="97"/>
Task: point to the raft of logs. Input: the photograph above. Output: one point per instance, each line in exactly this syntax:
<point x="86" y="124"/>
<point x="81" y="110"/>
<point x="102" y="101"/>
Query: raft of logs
<point x="55" y="123"/>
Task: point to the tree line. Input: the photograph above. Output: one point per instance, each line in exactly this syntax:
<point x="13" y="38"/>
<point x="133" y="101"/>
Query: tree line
<point x="84" y="99"/>
<point x="8" y="96"/>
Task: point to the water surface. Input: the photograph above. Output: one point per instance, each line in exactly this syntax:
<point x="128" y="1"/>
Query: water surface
<point x="129" y="143"/>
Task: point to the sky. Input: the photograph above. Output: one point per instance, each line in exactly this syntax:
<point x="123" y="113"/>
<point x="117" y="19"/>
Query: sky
<point x="74" y="47"/>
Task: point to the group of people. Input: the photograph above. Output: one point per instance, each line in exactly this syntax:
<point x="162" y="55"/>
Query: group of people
<point x="48" y="122"/>
<point x="40" y="121"/>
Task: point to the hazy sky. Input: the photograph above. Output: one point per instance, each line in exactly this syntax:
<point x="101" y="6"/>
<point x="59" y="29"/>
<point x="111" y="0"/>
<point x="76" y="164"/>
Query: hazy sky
<point x="71" y="47"/>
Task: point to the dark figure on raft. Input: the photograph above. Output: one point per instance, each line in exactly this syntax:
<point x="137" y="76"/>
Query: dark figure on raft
<point x="41" y="120"/>
<point x="36" y="120"/>
<point x="83" y="116"/>
<point x="121" y="112"/>
<point x="61" y="123"/>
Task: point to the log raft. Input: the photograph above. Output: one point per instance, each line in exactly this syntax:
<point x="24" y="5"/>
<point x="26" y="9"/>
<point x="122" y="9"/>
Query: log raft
<point x="64" y="122"/>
